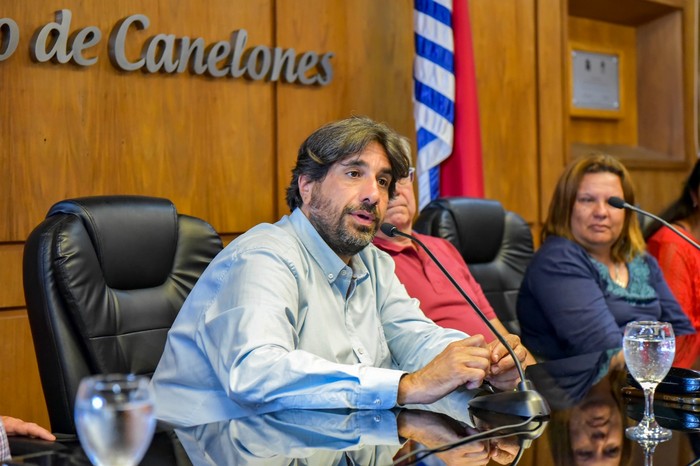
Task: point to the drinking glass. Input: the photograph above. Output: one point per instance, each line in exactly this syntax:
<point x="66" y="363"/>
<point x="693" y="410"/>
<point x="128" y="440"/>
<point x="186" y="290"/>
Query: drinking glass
<point x="649" y="350"/>
<point x="114" y="418"/>
<point x="648" y="446"/>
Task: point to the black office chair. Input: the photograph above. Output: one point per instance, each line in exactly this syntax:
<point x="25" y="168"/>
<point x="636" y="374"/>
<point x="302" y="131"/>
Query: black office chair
<point x="496" y="245"/>
<point x="104" y="279"/>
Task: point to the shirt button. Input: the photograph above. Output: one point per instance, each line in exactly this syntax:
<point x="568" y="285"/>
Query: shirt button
<point x="361" y="351"/>
<point x="377" y="402"/>
<point x="342" y="272"/>
<point x="330" y="276"/>
<point x="377" y="418"/>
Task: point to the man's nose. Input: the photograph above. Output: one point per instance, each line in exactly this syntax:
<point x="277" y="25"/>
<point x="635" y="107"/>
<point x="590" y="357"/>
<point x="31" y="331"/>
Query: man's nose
<point x="371" y="191"/>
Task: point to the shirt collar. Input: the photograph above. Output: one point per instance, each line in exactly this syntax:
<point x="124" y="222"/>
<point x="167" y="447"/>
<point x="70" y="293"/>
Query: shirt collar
<point x="325" y="257"/>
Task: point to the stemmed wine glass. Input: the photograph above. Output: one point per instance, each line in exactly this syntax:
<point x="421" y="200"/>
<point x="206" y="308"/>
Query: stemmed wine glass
<point x="648" y="446"/>
<point x="649" y="350"/>
<point x="114" y="418"/>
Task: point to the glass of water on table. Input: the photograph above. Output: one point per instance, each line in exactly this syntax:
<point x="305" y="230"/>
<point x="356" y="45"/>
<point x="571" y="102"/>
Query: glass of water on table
<point x="649" y="349"/>
<point x="115" y="419"/>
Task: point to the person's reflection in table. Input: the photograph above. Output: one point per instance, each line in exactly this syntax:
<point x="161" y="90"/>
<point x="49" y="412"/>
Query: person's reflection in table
<point x="337" y="437"/>
<point x="295" y="437"/>
<point x="592" y="431"/>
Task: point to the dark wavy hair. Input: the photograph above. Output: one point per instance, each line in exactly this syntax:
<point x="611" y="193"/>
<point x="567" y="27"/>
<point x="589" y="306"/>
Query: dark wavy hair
<point x="683" y="207"/>
<point x="558" y="223"/>
<point x="339" y="140"/>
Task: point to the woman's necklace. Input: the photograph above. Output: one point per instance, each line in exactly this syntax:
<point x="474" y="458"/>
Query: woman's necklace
<point x="617" y="278"/>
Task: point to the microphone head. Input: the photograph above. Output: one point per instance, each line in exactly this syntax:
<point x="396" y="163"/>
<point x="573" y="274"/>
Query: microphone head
<point x="616" y="202"/>
<point x="388" y="229"/>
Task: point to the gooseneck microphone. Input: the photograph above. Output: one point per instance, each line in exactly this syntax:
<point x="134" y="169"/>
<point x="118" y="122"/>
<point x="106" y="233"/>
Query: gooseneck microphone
<point x="525" y="401"/>
<point x="621" y="204"/>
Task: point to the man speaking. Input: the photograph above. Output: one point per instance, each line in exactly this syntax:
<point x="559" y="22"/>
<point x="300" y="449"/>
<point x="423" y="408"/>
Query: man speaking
<point x="307" y="313"/>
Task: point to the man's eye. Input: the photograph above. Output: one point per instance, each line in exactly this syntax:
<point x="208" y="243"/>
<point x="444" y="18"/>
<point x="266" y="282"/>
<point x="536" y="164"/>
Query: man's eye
<point x="353" y="174"/>
<point x="383" y="182"/>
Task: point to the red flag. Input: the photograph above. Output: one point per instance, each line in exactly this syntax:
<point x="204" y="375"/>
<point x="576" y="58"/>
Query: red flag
<point x="461" y="174"/>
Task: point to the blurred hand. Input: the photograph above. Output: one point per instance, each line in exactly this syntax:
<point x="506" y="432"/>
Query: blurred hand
<point x="503" y="450"/>
<point x="14" y="426"/>
<point x="463" y="362"/>
<point x="432" y="430"/>
<point x="502" y="372"/>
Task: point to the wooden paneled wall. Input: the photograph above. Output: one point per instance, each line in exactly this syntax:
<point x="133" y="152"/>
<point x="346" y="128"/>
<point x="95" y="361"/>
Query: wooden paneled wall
<point x="506" y="60"/>
<point x="522" y="61"/>
<point x="222" y="148"/>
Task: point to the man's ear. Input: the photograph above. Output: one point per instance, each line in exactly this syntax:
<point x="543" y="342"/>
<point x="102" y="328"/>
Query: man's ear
<point x="305" y="187"/>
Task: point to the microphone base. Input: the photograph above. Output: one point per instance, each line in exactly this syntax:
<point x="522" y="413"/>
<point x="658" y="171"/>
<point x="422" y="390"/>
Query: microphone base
<point x="524" y="403"/>
<point x="526" y="433"/>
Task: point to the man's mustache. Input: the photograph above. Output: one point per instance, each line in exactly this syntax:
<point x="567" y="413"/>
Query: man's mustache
<point x="371" y="208"/>
<point x="367" y="207"/>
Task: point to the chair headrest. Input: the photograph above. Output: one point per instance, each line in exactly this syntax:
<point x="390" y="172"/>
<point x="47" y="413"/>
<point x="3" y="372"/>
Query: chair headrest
<point x="128" y="233"/>
<point x="452" y="218"/>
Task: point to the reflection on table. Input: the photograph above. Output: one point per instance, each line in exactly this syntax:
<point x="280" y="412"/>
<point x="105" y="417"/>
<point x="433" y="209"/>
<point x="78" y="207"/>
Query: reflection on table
<point x="352" y="437"/>
<point x="316" y="437"/>
<point x="592" y="404"/>
<point x="589" y="414"/>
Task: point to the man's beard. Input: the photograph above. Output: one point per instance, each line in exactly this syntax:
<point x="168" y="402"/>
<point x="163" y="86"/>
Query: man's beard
<point x="335" y="232"/>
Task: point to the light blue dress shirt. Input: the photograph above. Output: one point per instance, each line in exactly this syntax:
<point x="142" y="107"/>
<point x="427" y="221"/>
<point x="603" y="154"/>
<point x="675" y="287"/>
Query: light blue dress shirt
<point x="296" y="437"/>
<point x="279" y="321"/>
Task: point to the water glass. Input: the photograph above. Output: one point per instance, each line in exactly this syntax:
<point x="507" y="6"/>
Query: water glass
<point x="649" y="349"/>
<point x="115" y="419"/>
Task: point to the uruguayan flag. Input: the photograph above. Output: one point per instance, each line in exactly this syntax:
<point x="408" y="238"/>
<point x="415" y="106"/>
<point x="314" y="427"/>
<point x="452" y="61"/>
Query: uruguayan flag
<point x="434" y="92"/>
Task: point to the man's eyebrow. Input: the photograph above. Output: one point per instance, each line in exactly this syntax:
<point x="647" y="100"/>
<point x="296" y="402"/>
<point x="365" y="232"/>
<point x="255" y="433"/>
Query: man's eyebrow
<point x="387" y="171"/>
<point x="354" y="162"/>
<point x="363" y="164"/>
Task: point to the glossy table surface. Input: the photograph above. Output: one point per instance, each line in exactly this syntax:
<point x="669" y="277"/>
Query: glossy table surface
<point x="586" y="426"/>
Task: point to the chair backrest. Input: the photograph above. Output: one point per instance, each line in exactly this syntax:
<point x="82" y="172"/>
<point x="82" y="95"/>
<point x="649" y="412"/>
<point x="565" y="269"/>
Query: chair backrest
<point x="496" y="245"/>
<point x="104" y="279"/>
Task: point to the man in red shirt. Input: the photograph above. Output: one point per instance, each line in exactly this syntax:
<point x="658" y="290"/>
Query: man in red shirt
<point x="439" y="299"/>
